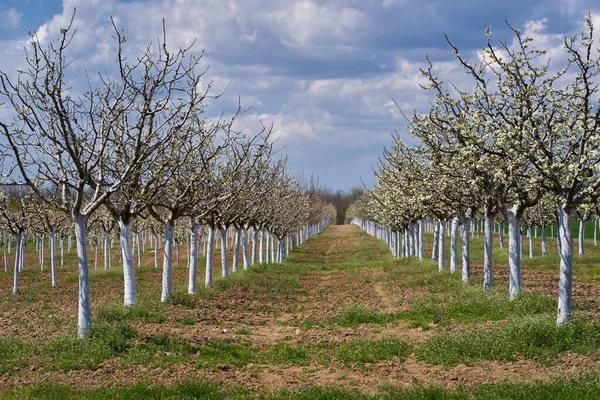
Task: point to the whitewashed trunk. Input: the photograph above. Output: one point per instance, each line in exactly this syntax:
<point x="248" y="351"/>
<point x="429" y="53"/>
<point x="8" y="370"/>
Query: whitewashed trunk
<point x="565" y="287"/>
<point x="155" y="250"/>
<point x="236" y="249"/>
<point x="22" y="252"/>
<point x="106" y="250"/>
<point x="466" y="262"/>
<point x="193" y="262"/>
<point x="139" y="252"/>
<point x="501" y="236"/>
<point x="96" y="256"/>
<point x="254" y="240"/>
<point x="84" y="319"/>
<point x="454" y="245"/>
<point x="224" y="265"/>
<point x="581" y="236"/>
<point x="272" y="247"/>
<point x="62" y="251"/>
<point x="210" y="247"/>
<point x="245" y="252"/>
<point x="5" y="259"/>
<point x="441" y="246"/>
<point x="487" y="253"/>
<point x="167" y="279"/>
<point x="53" y="258"/>
<point x="544" y="248"/>
<point x="17" y="264"/>
<point x="436" y="234"/>
<point x="421" y="240"/>
<point x="261" y="247"/>
<point x="530" y="244"/>
<point x="514" y="253"/>
<point x="130" y="294"/>
<point x="42" y="240"/>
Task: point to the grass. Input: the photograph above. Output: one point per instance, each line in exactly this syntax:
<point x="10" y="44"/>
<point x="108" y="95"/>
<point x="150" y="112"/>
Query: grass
<point x="525" y="337"/>
<point x="471" y="305"/>
<point x="283" y="353"/>
<point x="219" y="352"/>
<point x="148" y="312"/>
<point x="356" y="315"/>
<point x="582" y="387"/>
<point x="370" y="351"/>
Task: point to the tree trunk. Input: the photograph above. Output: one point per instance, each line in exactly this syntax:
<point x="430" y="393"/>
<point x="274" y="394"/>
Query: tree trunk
<point x="514" y="252"/>
<point x="466" y="262"/>
<point x="106" y="250"/>
<point x="421" y="240"/>
<point x="53" y="258"/>
<point x="435" y="248"/>
<point x="130" y="293"/>
<point x="272" y="247"/>
<point x="155" y="250"/>
<point x="42" y="240"/>
<point x="17" y="264"/>
<point x="62" y="251"/>
<point x="254" y="240"/>
<point x="454" y="245"/>
<point x="22" y="252"/>
<point x="96" y="256"/>
<point x="236" y="249"/>
<point x="210" y="247"/>
<point x="565" y="287"/>
<point x="5" y="259"/>
<point x="544" y="241"/>
<point x="261" y="247"/>
<point x="193" y="262"/>
<point x="501" y="236"/>
<point x="139" y="252"/>
<point x="245" y="251"/>
<point x="442" y="250"/>
<point x="224" y="266"/>
<point x="581" y="236"/>
<point x="530" y="244"/>
<point x="167" y="280"/>
<point x="487" y="256"/>
<point x="84" y="319"/>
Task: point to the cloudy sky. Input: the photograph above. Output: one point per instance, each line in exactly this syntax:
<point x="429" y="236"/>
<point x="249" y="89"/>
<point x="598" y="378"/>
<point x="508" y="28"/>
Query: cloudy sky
<point x="323" y="72"/>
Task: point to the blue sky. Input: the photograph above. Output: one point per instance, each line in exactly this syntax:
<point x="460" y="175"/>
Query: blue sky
<point x="323" y="72"/>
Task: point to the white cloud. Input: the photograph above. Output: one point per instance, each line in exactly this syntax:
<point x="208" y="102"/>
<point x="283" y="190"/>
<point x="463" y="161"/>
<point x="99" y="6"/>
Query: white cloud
<point x="10" y="18"/>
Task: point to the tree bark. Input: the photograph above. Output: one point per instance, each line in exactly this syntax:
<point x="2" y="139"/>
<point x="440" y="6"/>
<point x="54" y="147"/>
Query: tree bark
<point x="441" y="245"/>
<point x="581" y="236"/>
<point x="210" y="246"/>
<point x="245" y="251"/>
<point x="487" y="256"/>
<point x="514" y="252"/>
<point x="193" y="262"/>
<point x="454" y="245"/>
<point x="236" y="249"/>
<point x="84" y="318"/>
<point x="466" y="262"/>
<point x="130" y="293"/>
<point x="565" y="287"/>
<point x="224" y="266"/>
<point x="167" y="279"/>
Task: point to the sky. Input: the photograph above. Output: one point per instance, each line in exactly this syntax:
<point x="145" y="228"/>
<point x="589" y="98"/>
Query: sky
<point x="322" y="72"/>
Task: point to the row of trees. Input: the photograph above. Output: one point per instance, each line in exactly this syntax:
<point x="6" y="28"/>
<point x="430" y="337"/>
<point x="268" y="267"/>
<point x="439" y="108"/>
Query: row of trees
<point x="139" y="146"/>
<point x="520" y="147"/>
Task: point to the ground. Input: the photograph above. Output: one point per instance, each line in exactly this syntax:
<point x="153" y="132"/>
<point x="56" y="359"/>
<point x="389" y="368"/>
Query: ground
<point x="340" y="312"/>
